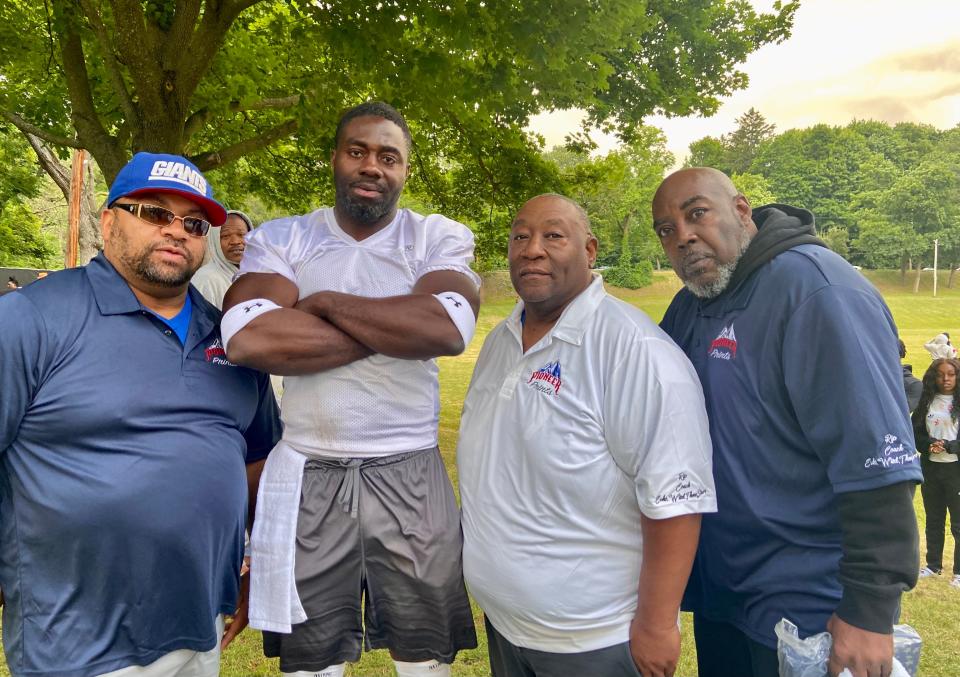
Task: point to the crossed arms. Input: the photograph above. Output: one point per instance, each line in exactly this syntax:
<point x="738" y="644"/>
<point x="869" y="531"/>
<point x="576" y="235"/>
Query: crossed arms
<point x="329" y="329"/>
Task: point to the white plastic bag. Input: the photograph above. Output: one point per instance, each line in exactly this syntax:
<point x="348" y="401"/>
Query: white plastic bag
<point x="808" y="657"/>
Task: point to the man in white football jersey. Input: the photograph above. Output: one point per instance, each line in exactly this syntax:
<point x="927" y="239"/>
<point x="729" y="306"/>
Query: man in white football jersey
<point x="352" y="304"/>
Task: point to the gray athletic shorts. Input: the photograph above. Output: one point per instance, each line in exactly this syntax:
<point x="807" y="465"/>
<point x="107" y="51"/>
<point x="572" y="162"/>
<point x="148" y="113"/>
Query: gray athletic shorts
<point x="387" y="531"/>
<point x="510" y="660"/>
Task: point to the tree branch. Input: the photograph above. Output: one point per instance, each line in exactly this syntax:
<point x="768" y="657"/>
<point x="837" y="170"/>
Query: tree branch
<point x="137" y="40"/>
<point x="113" y="66"/>
<point x="199" y="118"/>
<point x="240" y="5"/>
<point x="477" y="152"/>
<point x="32" y="130"/>
<point x="231" y="153"/>
<point x="51" y="164"/>
<point x="90" y="131"/>
<point x="195" y="123"/>
<point x="263" y="104"/>
<point x="196" y="58"/>
<point x="180" y="31"/>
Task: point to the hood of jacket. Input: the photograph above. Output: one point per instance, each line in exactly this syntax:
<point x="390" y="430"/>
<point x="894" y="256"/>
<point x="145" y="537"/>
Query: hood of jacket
<point x="216" y="275"/>
<point x="779" y="228"/>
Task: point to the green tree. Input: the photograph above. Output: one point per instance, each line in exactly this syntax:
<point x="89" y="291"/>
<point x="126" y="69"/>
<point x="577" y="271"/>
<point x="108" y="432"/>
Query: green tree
<point x="264" y="80"/>
<point x="818" y="168"/>
<point x="616" y="190"/>
<point x="925" y="200"/>
<point x="838" y="239"/>
<point x="883" y="244"/>
<point x="22" y="242"/>
<point x="708" y="152"/>
<point x="755" y="188"/>
<point x="740" y="146"/>
<point x="733" y="153"/>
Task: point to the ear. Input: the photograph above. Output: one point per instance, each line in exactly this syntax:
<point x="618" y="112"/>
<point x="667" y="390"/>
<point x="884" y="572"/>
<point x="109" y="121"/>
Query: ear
<point x="108" y="219"/>
<point x="743" y="209"/>
<point x="592" y="244"/>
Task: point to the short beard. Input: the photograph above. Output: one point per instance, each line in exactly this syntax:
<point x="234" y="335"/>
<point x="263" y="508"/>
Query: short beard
<point x="366" y="212"/>
<point x="710" y="290"/>
<point x="159" y="275"/>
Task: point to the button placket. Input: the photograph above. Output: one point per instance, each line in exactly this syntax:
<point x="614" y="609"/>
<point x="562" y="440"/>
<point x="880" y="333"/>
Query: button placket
<point x="511" y="379"/>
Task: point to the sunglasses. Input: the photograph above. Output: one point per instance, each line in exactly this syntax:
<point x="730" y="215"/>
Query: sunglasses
<point x="161" y="216"/>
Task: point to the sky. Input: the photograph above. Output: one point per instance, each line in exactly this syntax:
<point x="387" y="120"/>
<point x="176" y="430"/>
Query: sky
<point x="886" y="60"/>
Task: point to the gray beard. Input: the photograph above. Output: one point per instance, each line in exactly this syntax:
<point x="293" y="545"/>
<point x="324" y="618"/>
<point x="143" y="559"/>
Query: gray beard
<point x="710" y="290"/>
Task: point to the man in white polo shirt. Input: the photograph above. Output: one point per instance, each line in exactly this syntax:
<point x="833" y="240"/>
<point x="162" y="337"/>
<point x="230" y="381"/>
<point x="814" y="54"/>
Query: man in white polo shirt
<point x="584" y="464"/>
<point x="357" y="540"/>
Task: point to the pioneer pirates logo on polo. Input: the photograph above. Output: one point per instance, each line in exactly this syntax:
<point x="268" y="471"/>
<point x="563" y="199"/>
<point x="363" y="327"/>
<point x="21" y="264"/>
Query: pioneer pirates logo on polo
<point x="724" y="347"/>
<point x="546" y="379"/>
<point x="216" y="354"/>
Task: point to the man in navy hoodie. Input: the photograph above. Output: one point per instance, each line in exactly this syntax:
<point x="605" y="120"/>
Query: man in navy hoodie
<point x="814" y="459"/>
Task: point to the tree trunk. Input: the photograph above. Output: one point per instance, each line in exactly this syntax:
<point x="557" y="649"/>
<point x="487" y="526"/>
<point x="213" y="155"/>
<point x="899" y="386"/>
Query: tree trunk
<point x="916" y="280"/>
<point x="903" y="270"/>
<point x="90" y="238"/>
<point x="953" y="269"/>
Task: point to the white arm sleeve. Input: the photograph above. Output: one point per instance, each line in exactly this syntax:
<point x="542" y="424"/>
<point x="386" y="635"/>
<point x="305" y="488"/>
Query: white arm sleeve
<point x="460" y="312"/>
<point x="241" y="315"/>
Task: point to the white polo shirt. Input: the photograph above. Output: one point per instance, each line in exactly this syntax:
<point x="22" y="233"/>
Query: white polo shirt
<point x="379" y="405"/>
<point x="561" y="449"/>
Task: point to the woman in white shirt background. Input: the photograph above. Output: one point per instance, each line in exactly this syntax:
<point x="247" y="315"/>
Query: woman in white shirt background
<point x="935" y="427"/>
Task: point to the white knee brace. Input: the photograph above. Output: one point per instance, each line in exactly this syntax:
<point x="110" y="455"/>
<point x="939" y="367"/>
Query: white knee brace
<point x="424" y="669"/>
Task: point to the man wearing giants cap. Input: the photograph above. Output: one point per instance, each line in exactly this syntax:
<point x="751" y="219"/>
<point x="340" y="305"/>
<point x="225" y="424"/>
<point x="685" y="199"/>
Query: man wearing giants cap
<point x="357" y="541"/>
<point x="128" y="444"/>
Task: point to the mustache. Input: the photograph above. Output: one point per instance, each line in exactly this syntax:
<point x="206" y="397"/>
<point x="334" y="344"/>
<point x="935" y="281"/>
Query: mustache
<point x="692" y="258"/>
<point x="368" y="185"/>
<point x="172" y="244"/>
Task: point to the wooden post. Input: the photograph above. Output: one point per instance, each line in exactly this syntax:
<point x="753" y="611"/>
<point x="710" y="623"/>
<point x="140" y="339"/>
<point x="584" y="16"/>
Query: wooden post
<point x="936" y="251"/>
<point x="73" y="218"/>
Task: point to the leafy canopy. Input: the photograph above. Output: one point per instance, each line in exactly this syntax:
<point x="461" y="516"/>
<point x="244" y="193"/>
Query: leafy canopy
<point x="258" y="84"/>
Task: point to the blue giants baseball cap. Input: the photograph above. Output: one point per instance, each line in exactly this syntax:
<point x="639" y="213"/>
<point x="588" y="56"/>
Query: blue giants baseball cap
<point x="160" y="173"/>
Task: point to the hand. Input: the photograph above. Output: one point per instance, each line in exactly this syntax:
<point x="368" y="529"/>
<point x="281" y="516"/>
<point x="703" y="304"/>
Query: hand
<point x="936" y="447"/>
<point x="235" y="624"/>
<point x="315" y="304"/>
<point x="655" y="651"/>
<point x="865" y="653"/>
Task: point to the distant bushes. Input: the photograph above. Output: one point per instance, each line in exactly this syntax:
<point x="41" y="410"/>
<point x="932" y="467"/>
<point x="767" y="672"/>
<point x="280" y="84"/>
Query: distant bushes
<point x="629" y="275"/>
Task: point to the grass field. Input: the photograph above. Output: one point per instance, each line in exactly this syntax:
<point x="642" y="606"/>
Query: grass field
<point x="933" y="608"/>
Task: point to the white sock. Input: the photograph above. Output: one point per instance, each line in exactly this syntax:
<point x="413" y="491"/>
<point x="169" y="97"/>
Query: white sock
<point x="424" y="669"/>
<point x="329" y="671"/>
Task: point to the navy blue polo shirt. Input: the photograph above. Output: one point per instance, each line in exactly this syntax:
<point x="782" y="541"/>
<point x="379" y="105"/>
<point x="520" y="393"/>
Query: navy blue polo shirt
<point x="801" y="374"/>
<point x="123" y="490"/>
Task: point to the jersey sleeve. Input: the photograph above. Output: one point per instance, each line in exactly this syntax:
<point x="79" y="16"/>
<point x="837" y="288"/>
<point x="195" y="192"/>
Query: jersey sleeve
<point x="265" y="429"/>
<point x="268" y="249"/>
<point x="842" y="371"/>
<point x="451" y="248"/>
<point x="23" y="342"/>
<point x="655" y="423"/>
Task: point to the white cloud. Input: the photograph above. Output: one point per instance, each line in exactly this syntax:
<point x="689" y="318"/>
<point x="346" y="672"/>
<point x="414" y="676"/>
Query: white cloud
<point x="846" y="59"/>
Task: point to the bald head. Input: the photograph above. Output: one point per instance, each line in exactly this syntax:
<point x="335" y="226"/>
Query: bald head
<point x="578" y="214"/>
<point x="704" y="225"/>
<point x="703" y="179"/>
